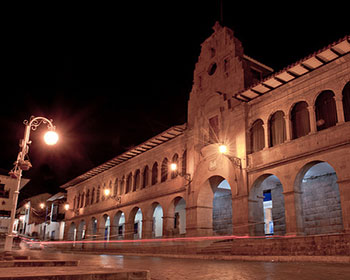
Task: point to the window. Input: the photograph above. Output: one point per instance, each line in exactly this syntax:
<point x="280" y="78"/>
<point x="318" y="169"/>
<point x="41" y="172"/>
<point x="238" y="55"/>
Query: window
<point x="277" y="129"/>
<point x="164" y="170"/>
<point x="4" y="193"/>
<point x="300" y="120"/>
<point x="98" y="194"/>
<point x="115" y="189"/>
<point x="155" y="173"/>
<point x="257" y="138"/>
<point x="136" y="180"/>
<point x="93" y="196"/>
<point x="145" y="175"/>
<point x="325" y="109"/>
<point x="87" y="199"/>
<point x="346" y="102"/>
<point x="128" y="183"/>
<point x="175" y="160"/>
<point x="214" y="129"/>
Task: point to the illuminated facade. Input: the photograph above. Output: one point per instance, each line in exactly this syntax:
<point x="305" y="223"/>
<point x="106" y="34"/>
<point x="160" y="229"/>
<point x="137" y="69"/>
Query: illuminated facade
<point x="286" y="170"/>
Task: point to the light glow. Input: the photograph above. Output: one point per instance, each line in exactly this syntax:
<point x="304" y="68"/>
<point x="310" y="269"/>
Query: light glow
<point x="223" y="149"/>
<point x="107" y="192"/>
<point x="42" y="205"/>
<point x="173" y="167"/>
<point x="51" y="137"/>
<point x="66" y="207"/>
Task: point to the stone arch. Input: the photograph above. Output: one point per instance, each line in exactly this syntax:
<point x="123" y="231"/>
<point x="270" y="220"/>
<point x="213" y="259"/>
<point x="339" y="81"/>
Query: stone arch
<point x="106" y="227"/>
<point x="157" y="220"/>
<point x="72" y="232"/>
<point x="115" y="187"/>
<point x="155" y="173"/>
<point x="257" y="136"/>
<point x="175" y="159"/>
<point x="346" y="102"/>
<point x="318" y="199"/>
<point x="135" y="222"/>
<point x="164" y="170"/>
<point x="300" y="119"/>
<point x="118" y="225"/>
<point x="214" y="204"/>
<point x="137" y="180"/>
<point x="325" y="110"/>
<point x="277" y="128"/>
<point x="145" y="177"/>
<point x="128" y="183"/>
<point x="266" y="206"/>
<point x="177" y="215"/>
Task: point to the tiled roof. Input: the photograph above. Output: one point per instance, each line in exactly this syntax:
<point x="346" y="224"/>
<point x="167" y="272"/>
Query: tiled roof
<point x="300" y="68"/>
<point x="145" y="146"/>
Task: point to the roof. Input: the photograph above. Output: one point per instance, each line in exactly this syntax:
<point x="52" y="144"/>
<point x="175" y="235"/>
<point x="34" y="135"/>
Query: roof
<point x="161" y="138"/>
<point x="298" y="69"/>
<point x="57" y="196"/>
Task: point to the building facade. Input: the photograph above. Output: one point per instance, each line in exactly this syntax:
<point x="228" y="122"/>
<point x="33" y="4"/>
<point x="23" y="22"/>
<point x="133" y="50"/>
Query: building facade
<point x="262" y="153"/>
<point x="8" y="186"/>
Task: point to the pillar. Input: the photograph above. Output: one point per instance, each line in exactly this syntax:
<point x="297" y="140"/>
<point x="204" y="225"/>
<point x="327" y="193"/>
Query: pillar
<point x="293" y="213"/>
<point x="288" y="128"/>
<point x="312" y="117"/>
<point x="344" y="190"/>
<point x="129" y="230"/>
<point x="199" y="221"/>
<point x="147" y="229"/>
<point x="266" y="135"/>
<point x="340" y="109"/>
<point x="240" y="215"/>
<point x="168" y="226"/>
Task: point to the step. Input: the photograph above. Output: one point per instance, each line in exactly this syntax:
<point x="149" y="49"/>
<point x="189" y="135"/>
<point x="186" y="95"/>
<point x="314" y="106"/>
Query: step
<point x="36" y="263"/>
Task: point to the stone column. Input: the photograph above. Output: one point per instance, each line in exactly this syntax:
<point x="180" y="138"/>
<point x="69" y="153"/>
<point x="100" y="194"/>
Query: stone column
<point x="129" y="230"/>
<point x="168" y="226"/>
<point x="240" y="215"/>
<point x="288" y="128"/>
<point x="312" y="117"/>
<point x="199" y="221"/>
<point x="147" y="229"/>
<point x="266" y="135"/>
<point x="293" y="213"/>
<point x="344" y="190"/>
<point x="340" y="109"/>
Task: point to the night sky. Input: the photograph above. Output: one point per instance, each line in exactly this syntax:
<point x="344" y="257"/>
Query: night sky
<point x="111" y="77"/>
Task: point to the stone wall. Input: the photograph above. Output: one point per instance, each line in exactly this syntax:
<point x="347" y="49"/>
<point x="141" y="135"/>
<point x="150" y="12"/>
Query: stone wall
<point x="321" y="204"/>
<point x="222" y="212"/>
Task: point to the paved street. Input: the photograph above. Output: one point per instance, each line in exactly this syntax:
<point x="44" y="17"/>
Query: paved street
<point x="193" y="269"/>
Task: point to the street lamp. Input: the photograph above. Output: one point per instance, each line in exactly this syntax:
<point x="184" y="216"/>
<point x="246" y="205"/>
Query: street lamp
<point x="23" y="163"/>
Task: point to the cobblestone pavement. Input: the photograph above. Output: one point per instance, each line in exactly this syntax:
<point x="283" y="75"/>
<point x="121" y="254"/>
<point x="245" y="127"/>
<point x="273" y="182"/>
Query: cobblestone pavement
<point x="193" y="269"/>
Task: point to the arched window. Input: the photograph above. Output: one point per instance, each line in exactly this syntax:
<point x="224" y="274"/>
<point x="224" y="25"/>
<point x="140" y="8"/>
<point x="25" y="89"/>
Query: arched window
<point x="300" y="120"/>
<point x="184" y="163"/>
<point x="137" y="180"/>
<point x="78" y="201"/>
<point x="346" y="102"/>
<point x="87" y="198"/>
<point x="164" y="170"/>
<point x="175" y="160"/>
<point x="145" y="177"/>
<point x="122" y="185"/>
<point x="325" y="109"/>
<point x="277" y="129"/>
<point x="115" y="189"/>
<point x="155" y="173"/>
<point x="98" y="193"/>
<point x="93" y="196"/>
<point x="128" y="183"/>
<point x="82" y="200"/>
<point x="257" y="138"/>
<point x="74" y="202"/>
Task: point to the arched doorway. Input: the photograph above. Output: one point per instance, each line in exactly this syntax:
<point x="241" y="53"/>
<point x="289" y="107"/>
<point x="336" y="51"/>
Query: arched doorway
<point x="72" y="232"/>
<point x="319" y="199"/>
<point x="180" y="216"/>
<point x="136" y="220"/>
<point x="157" y="221"/>
<point x="119" y="225"/>
<point x="81" y="232"/>
<point x="215" y="207"/>
<point x="266" y="207"/>
<point x="107" y="227"/>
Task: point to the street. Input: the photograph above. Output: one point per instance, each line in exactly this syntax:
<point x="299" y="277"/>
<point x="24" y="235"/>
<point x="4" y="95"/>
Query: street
<point x="193" y="269"/>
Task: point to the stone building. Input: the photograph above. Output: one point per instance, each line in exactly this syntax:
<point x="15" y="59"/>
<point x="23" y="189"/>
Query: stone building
<point x="262" y="153"/>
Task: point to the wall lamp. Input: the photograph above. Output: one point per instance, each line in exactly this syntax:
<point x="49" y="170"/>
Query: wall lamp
<point x="107" y="193"/>
<point x="235" y="160"/>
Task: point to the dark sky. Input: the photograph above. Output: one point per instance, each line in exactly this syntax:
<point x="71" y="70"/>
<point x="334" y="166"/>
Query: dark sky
<point x="113" y="76"/>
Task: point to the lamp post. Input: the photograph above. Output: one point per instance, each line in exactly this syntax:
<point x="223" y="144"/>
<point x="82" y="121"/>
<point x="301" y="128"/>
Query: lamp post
<point x="23" y="163"/>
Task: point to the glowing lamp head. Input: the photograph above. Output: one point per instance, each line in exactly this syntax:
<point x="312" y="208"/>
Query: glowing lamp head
<point x="51" y="137"/>
<point x="66" y="207"/>
<point x="223" y="149"/>
<point x="107" y="192"/>
<point x="173" y="167"/>
<point x="27" y="205"/>
<point x="42" y="205"/>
